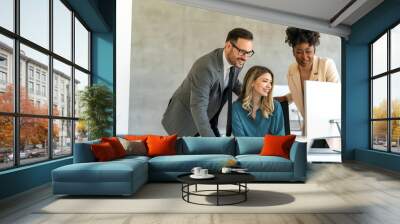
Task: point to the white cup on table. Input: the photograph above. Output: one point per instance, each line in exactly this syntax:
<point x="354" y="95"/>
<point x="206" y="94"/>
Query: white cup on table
<point x="196" y="170"/>
<point x="203" y="172"/>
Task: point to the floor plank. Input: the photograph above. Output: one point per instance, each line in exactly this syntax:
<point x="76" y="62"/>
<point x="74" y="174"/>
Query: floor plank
<point x="377" y="190"/>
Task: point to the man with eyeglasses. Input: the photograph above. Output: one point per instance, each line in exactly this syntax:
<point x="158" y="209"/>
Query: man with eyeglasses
<point x="195" y="106"/>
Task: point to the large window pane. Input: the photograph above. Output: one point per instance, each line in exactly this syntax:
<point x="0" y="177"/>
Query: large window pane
<point x="379" y="135"/>
<point x="81" y="81"/>
<point x="81" y="45"/>
<point x="6" y="142"/>
<point x="379" y="98"/>
<point x="35" y="21"/>
<point x="379" y="56"/>
<point x="62" y="29"/>
<point x="395" y="94"/>
<point x="34" y="74"/>
<point x="34" y="81"/>
<point x="62" y="89"/>
<point x="395" y="136"/>
<point x="33" y="139"/>
<point x="7" y="14"/>
<point x="395" y="47"/>
<point x="6" y="74"/>
<point x="62" y="138"/>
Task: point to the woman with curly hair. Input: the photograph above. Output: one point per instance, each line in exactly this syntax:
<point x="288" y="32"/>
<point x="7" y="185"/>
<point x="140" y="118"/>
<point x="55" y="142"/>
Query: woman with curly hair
<point x="308" y="66"/>
<point x="255" y="113"/>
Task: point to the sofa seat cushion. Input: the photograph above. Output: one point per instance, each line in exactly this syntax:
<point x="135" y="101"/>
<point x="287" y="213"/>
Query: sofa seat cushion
<point x="112" y="171"/>
<point x="133" y="158"/>
<point x="185" y="163"/>
<point x="257" y="163"/>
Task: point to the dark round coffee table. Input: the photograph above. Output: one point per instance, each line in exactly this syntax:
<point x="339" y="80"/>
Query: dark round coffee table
<point x="238" y="179"/>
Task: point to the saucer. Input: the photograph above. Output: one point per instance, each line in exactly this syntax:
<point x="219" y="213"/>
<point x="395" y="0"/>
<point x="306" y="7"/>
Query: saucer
<point x="208" y="176"/>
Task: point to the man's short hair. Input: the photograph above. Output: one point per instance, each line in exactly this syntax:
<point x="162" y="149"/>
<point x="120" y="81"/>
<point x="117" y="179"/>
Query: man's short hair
<point x="237" y="33"/>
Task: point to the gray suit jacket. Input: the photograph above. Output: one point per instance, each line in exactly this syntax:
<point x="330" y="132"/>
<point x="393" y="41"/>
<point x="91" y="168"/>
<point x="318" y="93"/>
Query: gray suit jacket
<point x="199" y="98"/>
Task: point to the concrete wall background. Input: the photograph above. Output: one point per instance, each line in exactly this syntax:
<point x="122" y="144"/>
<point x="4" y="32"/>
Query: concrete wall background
<point x="167" y="38"/>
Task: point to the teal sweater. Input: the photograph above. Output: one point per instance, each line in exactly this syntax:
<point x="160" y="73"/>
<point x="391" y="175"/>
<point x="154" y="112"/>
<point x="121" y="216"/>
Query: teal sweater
<point x="245" y="125"/>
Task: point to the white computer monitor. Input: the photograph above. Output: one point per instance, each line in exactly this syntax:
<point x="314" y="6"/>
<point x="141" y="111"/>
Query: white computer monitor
<point x="322" y="104"/>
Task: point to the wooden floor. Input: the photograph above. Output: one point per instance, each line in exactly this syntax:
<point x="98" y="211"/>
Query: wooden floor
<point x="377" y="188"/>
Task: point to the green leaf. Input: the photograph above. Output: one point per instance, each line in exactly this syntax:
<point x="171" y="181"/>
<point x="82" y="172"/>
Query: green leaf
<point x="96" y="102"/>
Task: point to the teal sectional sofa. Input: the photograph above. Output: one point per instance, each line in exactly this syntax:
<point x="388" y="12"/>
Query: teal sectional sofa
<point x="125" y="176"/>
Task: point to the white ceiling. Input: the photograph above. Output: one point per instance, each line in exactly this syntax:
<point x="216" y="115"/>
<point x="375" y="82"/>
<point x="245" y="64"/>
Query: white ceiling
<point x="317" y="15"/>
<point x="320" y="9"/>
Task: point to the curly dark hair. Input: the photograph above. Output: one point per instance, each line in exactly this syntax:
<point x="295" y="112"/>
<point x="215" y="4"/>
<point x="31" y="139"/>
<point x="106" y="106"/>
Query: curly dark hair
<point x="296" y="36"/>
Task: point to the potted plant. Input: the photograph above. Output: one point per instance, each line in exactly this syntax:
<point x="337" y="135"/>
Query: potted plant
<point x="96" y="102"/>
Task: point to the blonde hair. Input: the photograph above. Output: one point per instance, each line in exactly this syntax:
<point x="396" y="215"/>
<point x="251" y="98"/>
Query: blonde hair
<point x="246" y="96"/>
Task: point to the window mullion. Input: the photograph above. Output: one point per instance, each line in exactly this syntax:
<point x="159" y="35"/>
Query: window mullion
<point x="16" y="70"/>
<point x="389" y="101"/>
<point x="371" y="142"/>
<point x="73" y="81"/>
<point x="50" y="81"/>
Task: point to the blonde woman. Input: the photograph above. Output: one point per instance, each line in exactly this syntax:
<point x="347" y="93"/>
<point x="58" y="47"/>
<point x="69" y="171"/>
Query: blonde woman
<point x="255" y="113"/>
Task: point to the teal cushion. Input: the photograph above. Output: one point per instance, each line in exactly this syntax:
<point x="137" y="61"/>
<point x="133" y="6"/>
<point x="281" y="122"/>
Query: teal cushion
<point x="185" y="163"/>
<point x="257" y="163"/>
<point x="206" y="145"/>
<point x="83" y="152"/>
<point x="249" y="145"/>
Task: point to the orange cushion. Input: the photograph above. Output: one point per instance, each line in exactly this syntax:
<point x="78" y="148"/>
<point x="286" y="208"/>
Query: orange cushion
<point x="103" y="151"/>
<point x="161" y="145"/>
<point x="136" y="137"/>
<point x="277" y="145"/>
<point x="116" y="145"/>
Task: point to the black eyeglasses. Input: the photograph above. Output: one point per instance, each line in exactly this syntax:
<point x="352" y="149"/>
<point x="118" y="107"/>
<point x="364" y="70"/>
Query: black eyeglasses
<point x="243" y="52"/>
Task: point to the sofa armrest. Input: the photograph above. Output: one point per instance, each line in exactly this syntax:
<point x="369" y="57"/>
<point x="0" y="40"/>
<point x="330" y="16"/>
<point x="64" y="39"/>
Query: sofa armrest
<point x="83" y="152"/>
<point x="298" y="155"/>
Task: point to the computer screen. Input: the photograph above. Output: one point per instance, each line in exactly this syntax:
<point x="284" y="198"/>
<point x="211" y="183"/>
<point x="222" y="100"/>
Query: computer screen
<point x="322" y="104"/>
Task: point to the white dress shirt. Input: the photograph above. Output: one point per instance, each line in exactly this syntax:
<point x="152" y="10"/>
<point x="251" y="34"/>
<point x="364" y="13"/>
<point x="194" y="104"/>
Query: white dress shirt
<point x="227" y="67"/>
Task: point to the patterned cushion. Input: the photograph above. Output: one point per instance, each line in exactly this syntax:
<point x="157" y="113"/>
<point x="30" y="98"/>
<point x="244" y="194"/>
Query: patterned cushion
<point x="135" y="147"/>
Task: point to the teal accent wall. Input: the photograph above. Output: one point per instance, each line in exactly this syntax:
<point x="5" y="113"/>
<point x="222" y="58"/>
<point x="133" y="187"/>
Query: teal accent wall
<point x="102" y="59"/>
<point x="103" y="52"/>
<point x="103" y="64"/>
<point x="24" y="178"/>
<point x="356" y="101"/>
<point x="99" y="16"/>
<point x="379" y="159"/>
<point x="356" y="73"/>
<point x="91" y="12"/>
